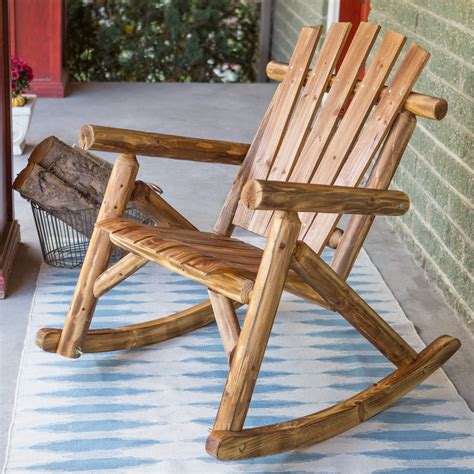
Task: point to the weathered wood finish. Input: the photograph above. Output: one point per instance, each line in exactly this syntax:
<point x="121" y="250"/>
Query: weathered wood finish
<point x="423" y="105"/>
<point x="250" y="348"/>
<point x="134" y="336"/>
<point x="83" y="302"/>
<point x="299" y="197"/>
<point x="358" y="227"/>
<point x="312" y="268"/>
<point x="311" y="429"/>
<point x="120" y="140"/>
<point x="77" y="169"/>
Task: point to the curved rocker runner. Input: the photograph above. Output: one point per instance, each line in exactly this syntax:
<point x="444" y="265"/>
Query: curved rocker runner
<point x="300" y="174"/>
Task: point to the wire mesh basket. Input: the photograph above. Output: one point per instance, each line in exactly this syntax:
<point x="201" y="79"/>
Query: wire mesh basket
<point x="64" y="236"/>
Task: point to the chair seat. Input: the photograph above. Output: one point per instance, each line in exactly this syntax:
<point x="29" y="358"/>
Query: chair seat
<point x="224" y="264"/>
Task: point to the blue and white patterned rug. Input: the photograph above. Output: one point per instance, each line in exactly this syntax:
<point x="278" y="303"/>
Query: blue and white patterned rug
<point x="150" y="410"/>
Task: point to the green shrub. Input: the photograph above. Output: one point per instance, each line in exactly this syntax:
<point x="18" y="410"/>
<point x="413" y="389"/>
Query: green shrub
<point x="161" y="40"/>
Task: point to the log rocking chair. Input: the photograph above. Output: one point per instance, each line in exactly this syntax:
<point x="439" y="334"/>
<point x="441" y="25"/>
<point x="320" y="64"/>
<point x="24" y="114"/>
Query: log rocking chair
<point x="301" y="173"/>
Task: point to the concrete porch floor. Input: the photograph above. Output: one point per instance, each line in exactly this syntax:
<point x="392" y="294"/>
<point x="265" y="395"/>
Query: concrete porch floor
<point x="228" y="112"/>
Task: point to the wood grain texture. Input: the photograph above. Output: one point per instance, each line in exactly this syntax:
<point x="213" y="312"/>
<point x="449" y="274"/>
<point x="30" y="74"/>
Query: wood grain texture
<point x="346" y="134"/>
<point x="423" y="105"/>
<point x="164" y="215"/>
<point x="205" y="257"/>
<point x="384" y="169"/>
<point x="224" y="223"/>
<point x="303" y="116"/>
<point x="134" y="336"/>
<point x="120" y="140"/>
<point x="308" y="430"/>
<point x="300" y="197"/>
<point x="329" y="114"/>
<point x="252" y="343"/>
<point x="226" y="319"/>
<point x="279" y="118"/>
<point x="351" y="306"/>
<point x="117" y="195"/>
<point x="370" y="139"/>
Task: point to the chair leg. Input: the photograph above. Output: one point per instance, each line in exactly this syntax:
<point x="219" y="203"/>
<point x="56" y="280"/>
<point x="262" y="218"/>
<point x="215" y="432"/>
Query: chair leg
<point x="226" y="319"/>
<point x="116" y="198"/>
<point x="322" y="278"/>
<point x="316" y="427"/>
<point x="137" y="335"/>
<point x="253" y="339"/>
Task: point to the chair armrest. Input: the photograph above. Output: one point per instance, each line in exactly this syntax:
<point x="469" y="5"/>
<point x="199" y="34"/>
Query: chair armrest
<point x="121" y="140"/>
<point x="283" y="196"/>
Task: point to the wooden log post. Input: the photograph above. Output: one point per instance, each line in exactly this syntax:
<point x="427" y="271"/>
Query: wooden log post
<point x="384" y="169"/>
<point x="253" y="339"/>
<point x="302" y="197"/>
<point x="82" y="307"/>
<point x="97" y="137"/>
<point x="351" y="306"/>
<point x="226" y="319"/>
<point x="427" y="106"/>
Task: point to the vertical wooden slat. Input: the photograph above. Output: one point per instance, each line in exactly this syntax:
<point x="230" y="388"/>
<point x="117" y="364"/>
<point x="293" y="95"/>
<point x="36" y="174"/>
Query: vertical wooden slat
<point x="282" y="111"/>
<point x="304" y="114"/>
<point x="353" y="120"/>
<point x="341" y="90"/>
<point x="371" y="138"/>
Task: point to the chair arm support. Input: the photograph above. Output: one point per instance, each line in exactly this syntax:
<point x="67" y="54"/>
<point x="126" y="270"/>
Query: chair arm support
<point x="120" y="140"/>
<point x="283" y="196"/>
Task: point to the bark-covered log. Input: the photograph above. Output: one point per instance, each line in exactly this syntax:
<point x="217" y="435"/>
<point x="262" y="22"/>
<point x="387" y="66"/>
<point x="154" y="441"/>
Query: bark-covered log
<point x="77" y="169"/>
<point x="64" y="179"/>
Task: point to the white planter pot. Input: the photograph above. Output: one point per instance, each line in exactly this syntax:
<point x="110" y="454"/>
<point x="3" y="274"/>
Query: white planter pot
<point x="21" y="118"/>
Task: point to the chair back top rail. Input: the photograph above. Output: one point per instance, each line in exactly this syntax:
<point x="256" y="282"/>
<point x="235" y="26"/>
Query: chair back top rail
<point x="423" y="105"/>
<point x="326" y="129"/>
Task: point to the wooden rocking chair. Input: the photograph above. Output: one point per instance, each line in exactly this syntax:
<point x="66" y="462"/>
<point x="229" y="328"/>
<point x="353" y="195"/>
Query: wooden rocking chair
<point x="299" y="176"/>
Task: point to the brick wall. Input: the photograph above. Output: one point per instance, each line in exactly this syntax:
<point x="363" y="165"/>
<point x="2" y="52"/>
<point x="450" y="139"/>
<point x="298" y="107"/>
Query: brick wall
<point x="289" y="16"/>
<point x="436" y="170"/>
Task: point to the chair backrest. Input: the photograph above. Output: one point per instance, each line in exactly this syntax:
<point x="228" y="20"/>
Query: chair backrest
<point x="309" y="138"/>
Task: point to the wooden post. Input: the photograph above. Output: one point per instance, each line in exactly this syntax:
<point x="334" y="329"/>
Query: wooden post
<point x="318" y="274"/>
<point x="250" y="348"/>
<point x="358" y="227"/>
<point x="9" y="228"/>
<point x="83" y="303"/>
<point x="226" y="319"/>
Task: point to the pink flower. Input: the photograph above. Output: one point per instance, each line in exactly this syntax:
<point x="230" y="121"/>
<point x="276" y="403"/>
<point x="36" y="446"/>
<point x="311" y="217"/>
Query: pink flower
<point x="21" y="74"/>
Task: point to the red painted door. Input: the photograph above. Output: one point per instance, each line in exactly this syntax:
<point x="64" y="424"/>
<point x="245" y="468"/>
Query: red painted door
<point x="353" y="11"/>
<point x="37" y="33"/>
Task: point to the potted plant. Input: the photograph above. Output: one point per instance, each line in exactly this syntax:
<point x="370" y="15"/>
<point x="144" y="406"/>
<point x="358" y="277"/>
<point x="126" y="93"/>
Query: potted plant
<point x="22" y="104"/>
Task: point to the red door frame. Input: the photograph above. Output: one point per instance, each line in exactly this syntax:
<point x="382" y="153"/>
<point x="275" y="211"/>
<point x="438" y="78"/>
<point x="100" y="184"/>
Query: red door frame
<point x="37" y="35"/>
<point x="353" y="11"/>
<point x="9" y="228"/>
